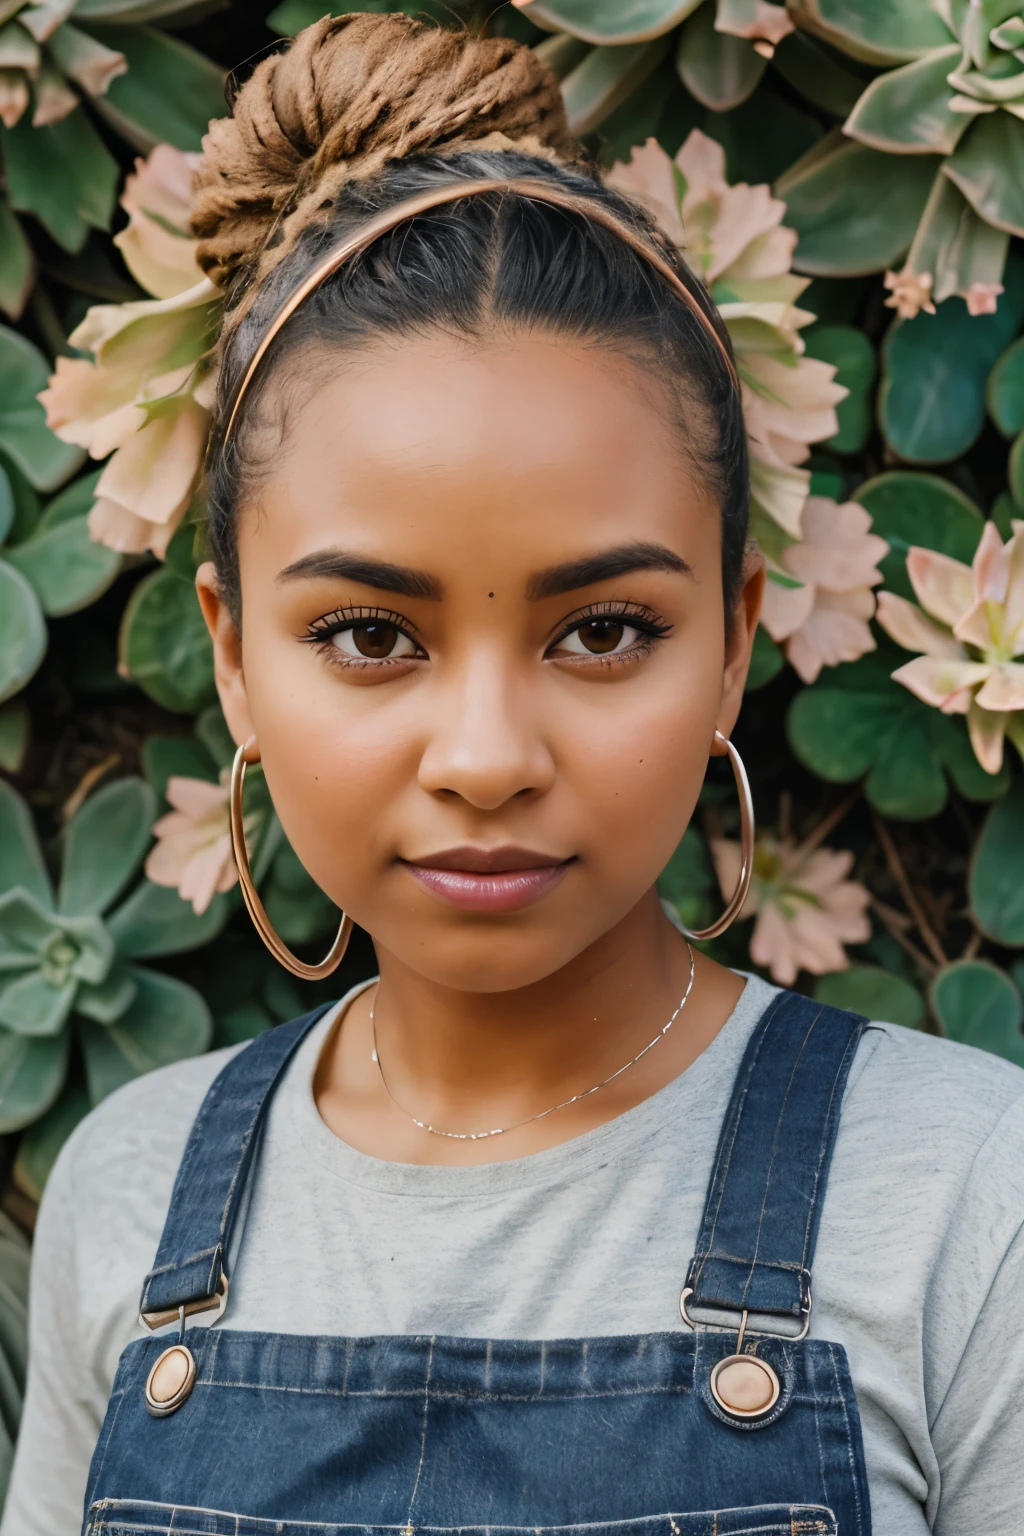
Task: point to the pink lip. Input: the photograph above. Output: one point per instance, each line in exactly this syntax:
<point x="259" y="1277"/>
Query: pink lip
<point x="489" y="880"/>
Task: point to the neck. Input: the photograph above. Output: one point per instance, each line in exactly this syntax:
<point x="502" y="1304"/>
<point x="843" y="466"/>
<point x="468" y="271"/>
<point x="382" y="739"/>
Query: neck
<point x="472" y="1061"/>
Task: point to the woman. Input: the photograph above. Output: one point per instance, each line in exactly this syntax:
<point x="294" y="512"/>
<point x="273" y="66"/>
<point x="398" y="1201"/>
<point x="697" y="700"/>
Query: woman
<point x="557" y="1223"/>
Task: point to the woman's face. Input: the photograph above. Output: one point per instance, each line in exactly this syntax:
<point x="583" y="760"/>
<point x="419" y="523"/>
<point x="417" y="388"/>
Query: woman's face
<point x="483" y="651"/>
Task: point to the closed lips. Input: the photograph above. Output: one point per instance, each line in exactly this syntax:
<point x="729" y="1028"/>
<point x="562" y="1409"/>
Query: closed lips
<point x="489" y="879"/>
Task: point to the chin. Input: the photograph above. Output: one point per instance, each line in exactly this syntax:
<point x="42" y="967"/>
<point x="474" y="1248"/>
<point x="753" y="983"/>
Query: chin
<point x="489" y="960"/>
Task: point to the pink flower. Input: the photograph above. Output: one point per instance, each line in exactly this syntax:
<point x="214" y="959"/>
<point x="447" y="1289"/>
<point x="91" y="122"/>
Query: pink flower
<point x="825" y="621"/>
<point x="157" y="245"/>
<point x="193" y="848"/>
<point x="806" y="907"/>
<point x="733" y="236"/>
<point x="911" y="292"/>
<point x="969" y="629"/>
<point x="982" y="298"/>
<point x="146" y="393"/>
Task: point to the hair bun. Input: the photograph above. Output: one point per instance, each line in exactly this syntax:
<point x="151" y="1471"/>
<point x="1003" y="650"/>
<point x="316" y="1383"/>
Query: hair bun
<point x="351" y="93"/>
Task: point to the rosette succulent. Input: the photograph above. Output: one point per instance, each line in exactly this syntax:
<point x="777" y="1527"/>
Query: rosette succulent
<point x="71" y="988"/>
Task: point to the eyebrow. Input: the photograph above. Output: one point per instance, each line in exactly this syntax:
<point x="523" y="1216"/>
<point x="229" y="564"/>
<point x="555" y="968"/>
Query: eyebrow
<point x="403" y="579"/>
<point x="559" y="579"/>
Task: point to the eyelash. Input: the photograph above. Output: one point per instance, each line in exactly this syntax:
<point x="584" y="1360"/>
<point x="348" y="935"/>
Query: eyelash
<point x="321" y="632"/>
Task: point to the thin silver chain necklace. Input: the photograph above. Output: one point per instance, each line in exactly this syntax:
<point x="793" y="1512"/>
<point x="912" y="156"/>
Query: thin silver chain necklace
<point x="503" y="1129"/>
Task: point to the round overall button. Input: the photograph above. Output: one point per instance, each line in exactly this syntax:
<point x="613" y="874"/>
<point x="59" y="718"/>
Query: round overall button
<point x="170" y="1381"/>
<point x="745" y="1386"/>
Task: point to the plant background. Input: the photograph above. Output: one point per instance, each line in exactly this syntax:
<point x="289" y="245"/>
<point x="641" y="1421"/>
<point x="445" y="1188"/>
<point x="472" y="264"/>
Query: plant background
<point x="847" y="108"/>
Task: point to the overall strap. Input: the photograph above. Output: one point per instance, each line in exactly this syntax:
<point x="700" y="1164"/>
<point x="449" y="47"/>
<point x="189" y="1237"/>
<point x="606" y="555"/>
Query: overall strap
<point x="213" y="1177"/>
<point x="760" y="1222"/>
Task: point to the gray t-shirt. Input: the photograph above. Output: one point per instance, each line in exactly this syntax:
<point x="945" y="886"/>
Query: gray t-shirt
<point x="919" y="1272"/>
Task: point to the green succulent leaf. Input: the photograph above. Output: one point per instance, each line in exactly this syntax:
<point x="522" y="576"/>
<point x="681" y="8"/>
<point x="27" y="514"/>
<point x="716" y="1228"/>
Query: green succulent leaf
<point x="104" y="844"/>
<point x="978" y="1004"/>
<point x="909" y="508"/>
<point x="720" y="70"/>
<point x="295" y="904"/>
<point x="27" y="506"/>
<point x="876" y="993"/>
<point x="7" y="504"/>
<point x="32" y="1072"/>
<point x="169" y="94"/>
<point x="108" y="1000"/>
<point x="17" y="263"/>
<point x="167" y="1021"/>
<point x="21" y="858"/>
<point x="611" y="21"/>
<point x="15" y="730"/>
<point x="63" y="174"/>
<point x="860" y="724"/>
<point x="892" y="32"/>
<point x="817" y="75"/>
<point x="39" y="1146"/>
<point x="1004" y="393"/>
<point x="853" y="357"/>
<point x="155" y="921"/>
<point x="165" y="645"/>
<point x="988" y="167"/>
<point x="931" y="404"/>
<point x="1015" y="471"/>
<point x="995" y="887"/>
<point x="854" y="208"/>
<point x="65" y="568"/>
<point x="907" y="111"/>
<point x="165" y="757"/>
<point x="23" y="635"/>
<point x="24" y="435"/>
<point x="30" y="1005"/>
<point x="72" y="503"/>
<point x="604" y="79"/>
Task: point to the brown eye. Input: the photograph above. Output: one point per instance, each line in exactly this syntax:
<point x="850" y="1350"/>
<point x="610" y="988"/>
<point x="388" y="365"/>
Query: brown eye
<point x="374" y="640"/>
<point x="600" y="636"/>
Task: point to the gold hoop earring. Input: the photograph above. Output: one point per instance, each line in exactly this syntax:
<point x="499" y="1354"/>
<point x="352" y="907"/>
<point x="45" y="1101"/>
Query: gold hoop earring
<point x="267" y="933"/>
<point x="739" y="895"/>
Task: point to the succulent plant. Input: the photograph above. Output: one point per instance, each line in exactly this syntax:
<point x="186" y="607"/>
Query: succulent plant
<point x="957" y="92"/>
<point x="68" y="959"/>
<point x="146" y="86"/>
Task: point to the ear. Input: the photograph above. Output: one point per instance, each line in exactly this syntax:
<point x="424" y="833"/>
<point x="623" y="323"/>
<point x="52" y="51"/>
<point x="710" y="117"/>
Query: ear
<point x="740" y="643"/>
<point x="227" y="653"/>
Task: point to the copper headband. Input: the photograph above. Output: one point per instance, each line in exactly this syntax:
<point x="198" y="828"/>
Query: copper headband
<point x="450" y="192"/>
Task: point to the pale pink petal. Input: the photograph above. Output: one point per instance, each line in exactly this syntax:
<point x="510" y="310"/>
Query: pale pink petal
<point x="914" y="630"/>
<point x="982" y="298"/>
<point x="837" y="550"/>
<point x="162" y="185"/>
<point x="987" y="731"/>
<point x="154" y="472"/>
<point x="821" y="869"/>
<point x="744" y="213"/>
<point x="975" y="628"/>
<point x="797" y="402"/>
<point x="784" y="609"/>
<point x="990" y="566"/>
<point x="1013" y="611"/>
<point x="14" y="96"/>
<point x="768" y="255"/>
<point x="944" y="587"/>
<point x="117" y="528"/>
<point x="773" y="944"/>
<point x="910" y="293"/>
<point x="702" y="162"/>
<point x="830" y="636"/>
<point x="211" y="870"/>
<point x="161" y="262"/>
<point x="936" y="679"/>
<point x="776" y="488"/>
<point x="80" y="397"/>
<point x="818" y="946"/>
<point x="1004" y="690"/>
<point x="197" y="797"/>
<point x="650" y="178"/>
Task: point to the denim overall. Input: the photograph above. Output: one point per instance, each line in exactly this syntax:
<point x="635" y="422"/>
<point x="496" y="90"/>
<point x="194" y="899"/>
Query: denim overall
<point x="620" y="1436"/>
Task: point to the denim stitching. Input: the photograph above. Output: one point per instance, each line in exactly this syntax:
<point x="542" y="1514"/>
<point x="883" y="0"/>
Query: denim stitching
<point x="774" y="1529"/>
<point x="775" y="1147"/>
<point x="828" y="1140"/>
<point x="854" y="1479"/>
<point x="706" y="1239"/>
<point x="423" y="1440"/>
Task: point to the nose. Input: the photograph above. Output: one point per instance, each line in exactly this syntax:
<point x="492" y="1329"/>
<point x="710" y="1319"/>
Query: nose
<point x="486" y="743"/>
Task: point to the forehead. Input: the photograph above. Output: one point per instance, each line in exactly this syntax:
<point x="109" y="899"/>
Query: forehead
<point x="522" y="450"/>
